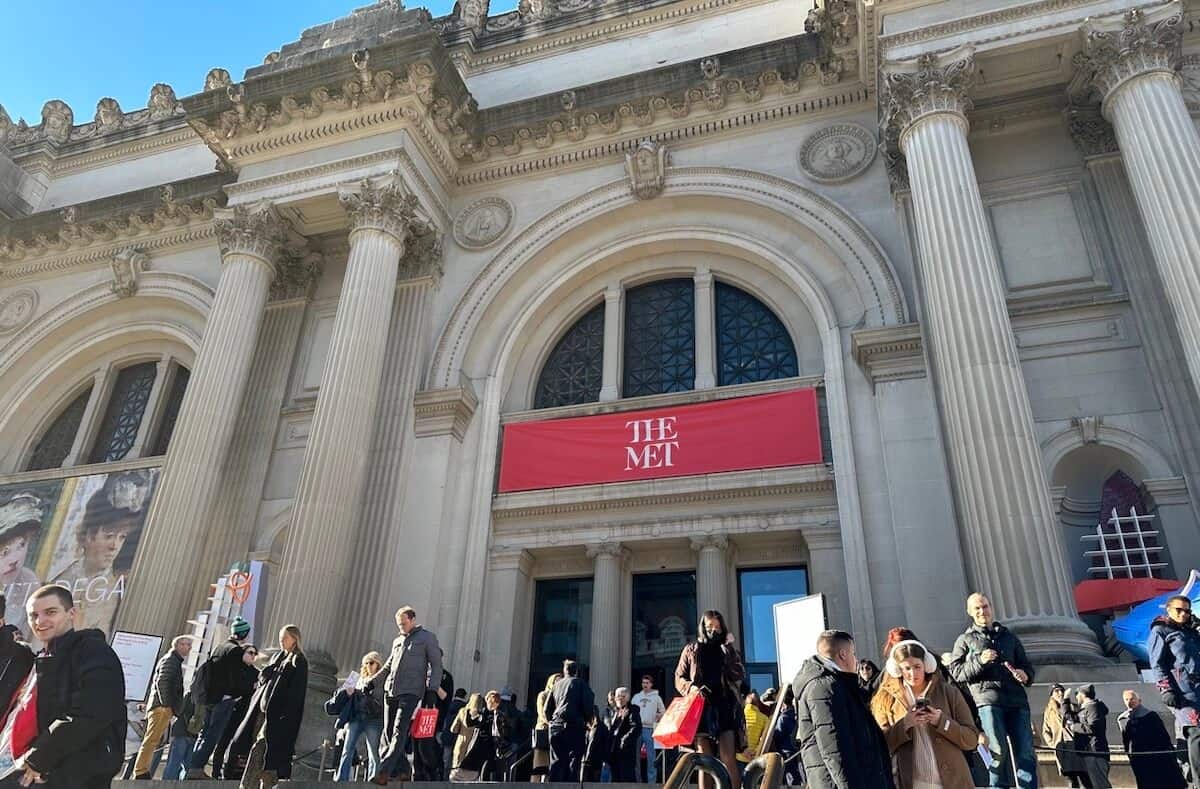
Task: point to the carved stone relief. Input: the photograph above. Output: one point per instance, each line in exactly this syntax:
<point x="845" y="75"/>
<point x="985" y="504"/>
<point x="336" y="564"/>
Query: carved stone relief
<point x="647" y="169"/>
<point x="16" y="310"/>
<point x="127" y="266"/>
<point x="837" y="153"/>
<point x="482" y="223"/>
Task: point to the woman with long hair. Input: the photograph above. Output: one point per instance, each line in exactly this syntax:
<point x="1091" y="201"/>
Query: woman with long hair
<point x="712" y="667"/>
<point x="473" y="748"/>
<point x="925" y="720"/>
<point x="268" y="732"/>
<point x="541" y="733"/>
<point x="360" y="712"/>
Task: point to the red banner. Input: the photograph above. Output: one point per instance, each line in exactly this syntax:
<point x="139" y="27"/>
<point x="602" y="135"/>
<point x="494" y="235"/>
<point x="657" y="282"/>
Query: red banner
<point x="762" y="431"/>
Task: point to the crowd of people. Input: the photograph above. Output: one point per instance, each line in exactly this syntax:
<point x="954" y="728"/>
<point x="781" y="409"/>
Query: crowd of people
<point x="954" y="721"/>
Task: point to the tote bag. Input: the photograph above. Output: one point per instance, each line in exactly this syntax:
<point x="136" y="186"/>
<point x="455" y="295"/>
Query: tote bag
<point x="679" y="723"/>
<point x="424" y="723"/>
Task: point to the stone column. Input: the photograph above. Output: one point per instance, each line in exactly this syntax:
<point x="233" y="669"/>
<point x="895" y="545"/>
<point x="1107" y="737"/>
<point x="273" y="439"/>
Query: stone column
<point x="827" y="575"/>
<point x="706" y="352"/>
<point x="1008" y="524"/>
<point x="181" y="515"/>
<point x="325" y="512"/>
<point x="610" y="377"/>
<point x="1131" y="62"/>
<point x="607" y="616"/>
<point x="712" y="574"/>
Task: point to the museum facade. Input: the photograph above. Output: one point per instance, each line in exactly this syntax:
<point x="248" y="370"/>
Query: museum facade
<point x="564" y="324"/>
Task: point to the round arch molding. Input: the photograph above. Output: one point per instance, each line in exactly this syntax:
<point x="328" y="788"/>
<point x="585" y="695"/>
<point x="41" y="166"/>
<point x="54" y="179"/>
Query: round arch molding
<point x="43" y="364"/>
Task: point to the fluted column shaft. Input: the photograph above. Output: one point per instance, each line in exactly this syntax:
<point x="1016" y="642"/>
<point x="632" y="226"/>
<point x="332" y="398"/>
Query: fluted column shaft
<point x="607" y="617"/>
<point x="179" y="519"/>
<point x="329" y="494"/>
<point x="1134" y="69"/>
<point x="1006" y="516"/>
<point x="712" y="575"/>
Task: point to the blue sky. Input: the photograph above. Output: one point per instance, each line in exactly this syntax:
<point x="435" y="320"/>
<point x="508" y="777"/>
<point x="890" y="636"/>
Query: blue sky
<point x="83" y="50"/>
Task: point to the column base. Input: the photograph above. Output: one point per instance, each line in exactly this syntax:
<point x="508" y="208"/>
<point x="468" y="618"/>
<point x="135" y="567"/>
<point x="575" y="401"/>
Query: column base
<point x="1059" y="641"/>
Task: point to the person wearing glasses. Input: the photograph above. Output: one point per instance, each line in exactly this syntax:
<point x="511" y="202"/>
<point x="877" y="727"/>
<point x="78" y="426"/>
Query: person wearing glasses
<point x="1174" y="648"/>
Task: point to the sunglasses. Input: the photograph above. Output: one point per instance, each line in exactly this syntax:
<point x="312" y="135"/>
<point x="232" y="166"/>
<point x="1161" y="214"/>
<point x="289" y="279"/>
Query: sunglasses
<point x="1181" y="610"/>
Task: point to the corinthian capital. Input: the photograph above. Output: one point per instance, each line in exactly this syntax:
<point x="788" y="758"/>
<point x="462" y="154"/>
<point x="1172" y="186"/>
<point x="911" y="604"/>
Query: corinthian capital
<point x="256" y="230"/>
<point x="423" y="253"/>
<point x="1117" y="49"/>
<point x="380" y="204"/>
<point x="928" y="85"/>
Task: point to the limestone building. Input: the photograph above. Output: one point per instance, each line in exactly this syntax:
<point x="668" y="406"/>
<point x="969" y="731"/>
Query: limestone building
<point x="910" y="289"/>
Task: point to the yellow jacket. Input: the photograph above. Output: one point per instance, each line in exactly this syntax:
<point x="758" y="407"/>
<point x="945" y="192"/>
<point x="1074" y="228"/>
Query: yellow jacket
<point x="756" y="725"/>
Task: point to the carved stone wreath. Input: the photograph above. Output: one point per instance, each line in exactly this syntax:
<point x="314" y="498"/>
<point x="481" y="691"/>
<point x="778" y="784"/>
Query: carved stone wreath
<point x="16" y="310"/>
<point x="837" y="153"/>
<point x="482" y="223"/>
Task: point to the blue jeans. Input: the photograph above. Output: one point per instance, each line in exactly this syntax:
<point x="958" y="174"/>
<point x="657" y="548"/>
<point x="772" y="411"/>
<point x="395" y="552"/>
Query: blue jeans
<point x="1008" y="730"/>
<point x="368" y="731"/>
<point x="178" y="757"/>
<point x="215" y="720"/>
<point x="651" y="761"/>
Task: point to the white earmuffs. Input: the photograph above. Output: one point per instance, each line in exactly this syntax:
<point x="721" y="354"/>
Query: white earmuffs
<point x="893" y="668"/>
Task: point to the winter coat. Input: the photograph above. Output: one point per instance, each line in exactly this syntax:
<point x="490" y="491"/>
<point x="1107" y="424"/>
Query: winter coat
<point x="1175" y="661"/>
<point x="280" y="698"/>
<point x="80" y="711"/>
<point x="841" y="745"/>
<point x="991" y="683"/>
<point x="414" y="665"/>
<point x="1141" y="731"/>
<point x="446" y="737"/>
<point x="502" y="726"/>
<point x="569" y="704"/>
<point x="167" y="690"/>
<point x="626" y="731"/>
<point x="16" y="661"/>
<point x="474" y="745"/>
<point x="954" y="734"/>
<point x="598" y="747"/>
<point x="1056" y="734"/>
<point x="357" y="707"/>
<point x="756" y="724"/>
<point x="1093" y="724"/>
<point x="723" y="690"/>
<point x="650" y="707"/>
<point x="224" y="671"/>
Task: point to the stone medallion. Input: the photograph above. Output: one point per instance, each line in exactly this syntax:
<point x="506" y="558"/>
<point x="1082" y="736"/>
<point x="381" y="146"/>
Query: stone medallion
<point x="16" y="310"/>
<point x="837" y="153"/>
<point x="483" y="222"/>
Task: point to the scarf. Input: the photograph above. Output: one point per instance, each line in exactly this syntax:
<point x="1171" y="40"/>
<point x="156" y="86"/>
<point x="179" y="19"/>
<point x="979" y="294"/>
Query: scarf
<point x="925" y="768"/>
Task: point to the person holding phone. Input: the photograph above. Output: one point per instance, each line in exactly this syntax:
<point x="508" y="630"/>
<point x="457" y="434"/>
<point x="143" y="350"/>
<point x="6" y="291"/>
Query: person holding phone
<point x="926" y="722"/>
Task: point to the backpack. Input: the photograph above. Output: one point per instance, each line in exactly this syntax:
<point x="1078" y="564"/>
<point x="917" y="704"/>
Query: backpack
<point x="200" y="680"/>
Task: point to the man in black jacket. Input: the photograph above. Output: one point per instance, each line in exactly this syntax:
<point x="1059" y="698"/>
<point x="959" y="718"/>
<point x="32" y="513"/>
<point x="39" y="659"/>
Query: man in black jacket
<point x="166" y="701"/>
<point x="626" y="739"/>
<point x="841" y="745"/>
<point x="224" y="678"/>
<point x="991" y="660"/>
<point x="81" y="720"/>
<point x="1092" y="724"/>
<point x="567" y="709"/>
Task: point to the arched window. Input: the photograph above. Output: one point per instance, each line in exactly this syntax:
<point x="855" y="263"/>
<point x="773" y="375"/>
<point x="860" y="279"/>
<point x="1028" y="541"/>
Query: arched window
<point x="660" y="338"/>
<point x="573" y="370"/>
<point x="117" y="422"/>
<point x="58" y="439"/>
<point x="752" y="344"/>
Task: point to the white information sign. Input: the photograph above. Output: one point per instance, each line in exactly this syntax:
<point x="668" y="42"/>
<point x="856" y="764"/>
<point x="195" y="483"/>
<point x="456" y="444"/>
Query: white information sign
<point x="797" y="624"/>
<point x="138" y="653"/>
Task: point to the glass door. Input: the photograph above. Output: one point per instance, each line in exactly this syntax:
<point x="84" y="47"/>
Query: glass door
<point x="664" y="620"/>
<point x="562" y="628"/>
<point x="759" y="590"/>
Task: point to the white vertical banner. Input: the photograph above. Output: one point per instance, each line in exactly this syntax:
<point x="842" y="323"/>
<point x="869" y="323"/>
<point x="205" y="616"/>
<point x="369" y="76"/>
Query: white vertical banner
<point x="797" y="624"/>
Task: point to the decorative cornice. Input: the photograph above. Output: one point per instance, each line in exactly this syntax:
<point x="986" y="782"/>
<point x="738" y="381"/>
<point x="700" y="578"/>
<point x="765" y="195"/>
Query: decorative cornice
<point x="928" y="85"/>
<point x="1168" y="490"/>
<point x="1118" y="49"/>
<point x="440" y="412"/>
<point x="58" y="127"/>
<point x="382" y="204"/>
<point x="892" y="353"/>
<point x="256" y="230"/>
<point x="1091" y="133"/>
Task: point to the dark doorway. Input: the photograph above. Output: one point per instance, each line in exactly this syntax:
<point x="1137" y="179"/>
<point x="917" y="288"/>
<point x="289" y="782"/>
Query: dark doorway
<point x="664" y="620"/>
<point x="562" y="628"/>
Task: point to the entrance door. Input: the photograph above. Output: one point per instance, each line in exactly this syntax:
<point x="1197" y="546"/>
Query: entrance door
<point x="759" y="590"/>
<point x="664" y="620"/>
<point x="562" y="628"/>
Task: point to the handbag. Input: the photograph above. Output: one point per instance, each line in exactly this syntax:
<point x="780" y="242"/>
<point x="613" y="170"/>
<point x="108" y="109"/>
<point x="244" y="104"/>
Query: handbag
<point x="424" y="723"/>
<point x="679" y="723"/>
<point x="541" y="739"/>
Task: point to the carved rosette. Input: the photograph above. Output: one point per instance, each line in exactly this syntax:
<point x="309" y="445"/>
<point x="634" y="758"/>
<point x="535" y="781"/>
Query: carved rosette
<point x="382" y="205"/>
<point x="256" y="230"/>
<point x="1118" y="49"/>
<point x="1092" y="135"/>
<point x="929" y="85"/>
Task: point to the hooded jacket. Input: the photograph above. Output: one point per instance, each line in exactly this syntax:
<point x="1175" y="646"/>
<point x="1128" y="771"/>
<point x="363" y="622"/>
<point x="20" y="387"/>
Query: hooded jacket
<point x="414" y="665"/>
<point x="1175" y="660"/>
<point x="80" y="711"/>
<point x="841" y="746"/>
<point x="991" y="684"/>
<point x="650" y="707"/>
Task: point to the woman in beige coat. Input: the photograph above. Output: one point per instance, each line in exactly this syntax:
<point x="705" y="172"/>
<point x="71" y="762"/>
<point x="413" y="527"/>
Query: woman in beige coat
<point x="541" y="756"/>
<point x="926" y="722"/>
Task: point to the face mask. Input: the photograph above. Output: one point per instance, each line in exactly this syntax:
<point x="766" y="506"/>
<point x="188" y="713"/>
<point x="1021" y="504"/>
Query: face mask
<point x="711" y="633"/>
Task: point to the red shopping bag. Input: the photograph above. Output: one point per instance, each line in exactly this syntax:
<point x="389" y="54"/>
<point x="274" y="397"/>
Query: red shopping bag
<point x="678" y="725"/>
<point x="424" y="724"/>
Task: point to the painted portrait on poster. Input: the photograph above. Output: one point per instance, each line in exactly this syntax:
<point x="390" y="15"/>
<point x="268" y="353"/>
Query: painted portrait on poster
<point x="27" y="514"/>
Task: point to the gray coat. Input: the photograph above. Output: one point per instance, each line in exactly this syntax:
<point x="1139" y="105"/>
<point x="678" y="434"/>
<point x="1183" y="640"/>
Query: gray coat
<point x="168" y="683"/>
<point x="414" y="666"/>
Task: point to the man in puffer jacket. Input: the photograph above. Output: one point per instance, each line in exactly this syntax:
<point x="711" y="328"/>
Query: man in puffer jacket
<point x="166" y="701"/>
<point x="81" y="721"/>
<point x="842" y="746"/>
<point x="992" y="662"/>
<point x="1174" y="648"/>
